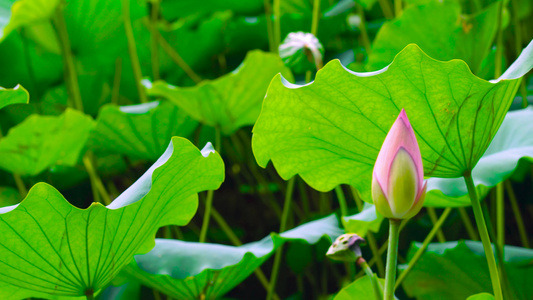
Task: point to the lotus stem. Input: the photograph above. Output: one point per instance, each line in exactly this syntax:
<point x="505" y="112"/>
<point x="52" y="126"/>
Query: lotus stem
<point x="392" y="257"/>
<point x="517" y="215"/>
<point x="422" y="249"/>
<point x="71" y="76"/>
<point x="483" y="233"/>
<point x="277" y="25"/>
<point x="342" y="200"/>
<point x="270" y="30"/>
<point x="132" y="50"/>
<point x="282" y="227"/>
<point x="433" y="216"/>
<point x="468" y="224"/>
<point x="154" y="50"/>
<point x="210" y="194"/>
<point x="378" y="294"/>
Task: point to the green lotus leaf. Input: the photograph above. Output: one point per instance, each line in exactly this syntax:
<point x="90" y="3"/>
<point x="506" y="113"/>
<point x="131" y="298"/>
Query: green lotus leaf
<point x="446" y="34"/>
<point x="15" y="14"/>
<point x="8" y="196"/>
<point x="231" y="101"/>
<point x="359" y="289"/>
<point x="512" y="144"/>
<point x="51" y="248"/>
<point x="456" y="270"/>
<point x="43" y="141"/>
<point x="140" y="131"/>
<point x="182" y="8"/>
<point x="15" y="95"/>
<point x="364" y="221"/>
<point x="188" y="270"/>
<point x="330" y="131"/>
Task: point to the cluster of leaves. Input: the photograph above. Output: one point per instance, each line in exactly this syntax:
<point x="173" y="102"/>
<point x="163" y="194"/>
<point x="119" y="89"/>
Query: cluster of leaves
<point x="79" y="121"/>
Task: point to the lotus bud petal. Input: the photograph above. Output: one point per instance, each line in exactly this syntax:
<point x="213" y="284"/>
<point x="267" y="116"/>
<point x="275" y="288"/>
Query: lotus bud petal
<point x="346" y="248"/>
<point x="398" y="187"/>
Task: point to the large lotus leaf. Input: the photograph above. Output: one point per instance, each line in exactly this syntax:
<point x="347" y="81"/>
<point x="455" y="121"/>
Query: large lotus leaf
<point x="512" y="143"/>
<point x="50" y="247"/>
<point x="15" y="95"/>
<point x="42" y="141"/>
<point x="359" y="289"/>
<point x="330" y="131"/>
<point x="456" y="270"/>
<point x="440" y="30"/>
<point x="364" y="221"/>
<point x="187" y="270"/>
<point x="140" y="131"/>
<point x="231" y="101"/>
<point x="15" y="14"/>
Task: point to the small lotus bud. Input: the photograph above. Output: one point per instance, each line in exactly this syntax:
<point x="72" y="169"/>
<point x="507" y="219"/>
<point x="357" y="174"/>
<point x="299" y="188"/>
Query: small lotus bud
<point x="398" y="187"/>
<point x="301" y="52"/>
<point x="346" y="248"/>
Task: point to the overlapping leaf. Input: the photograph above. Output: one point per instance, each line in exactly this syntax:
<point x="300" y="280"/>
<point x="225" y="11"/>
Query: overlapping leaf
<point x="42" y="141"/>
<point x="50" y="247"/>
<point x="456" y="270"/>
<point x="359" y="289"/>
<point x="140" y="131"/>
<point x="13" y="96"/>
<point x="512" y="144"/>
<point x="187" y="270"/>
<point x="229" y="102"/>
<point x="445" y="34"/>
<point x="330" y="131"/>
<point x="364" y="221"/>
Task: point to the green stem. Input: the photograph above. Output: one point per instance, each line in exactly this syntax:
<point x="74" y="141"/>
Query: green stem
<point x="95" y="179"/>
<point x="364" y="33"/>
<point x="468" y="224"/>
<point x="316" y="17"/>
<point x="177" y="59"/>
<point x="378" y="294"/>
<point x="237" y="242"/>
<point x="397" y="8"/>
<point x="71" y="76"/>
<point x="499" y="43"/>
<point x="210" y="193"/>
<point x="433" y="216"/>
<point x="372" y="243"/>
<point x="132" y="50"/>
<point x="386" y="9"/>
<point x="517" y="215"/>
<point x="500" y="216"/>
<point x="277" y="25"/>
<point x="424" y="246"/>
<point x="89" y="294"/>
<point x="115" y="92"/>
<point x="23" y="191"/>
<point x="342" y="201"/>
<point x="154" y="50"/>
<point x="483" y="233"/>
<point x="392" y="254"/>
<point x="282" y="227"/>
<point x="270" y="29"/>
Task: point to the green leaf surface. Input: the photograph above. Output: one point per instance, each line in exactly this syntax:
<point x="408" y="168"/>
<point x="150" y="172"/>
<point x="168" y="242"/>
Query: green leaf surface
<point x="456" y="270"/>
<point x="140" y="131"/>
<point x="512" y="144"/>
<point x="445" y="34"/>
<point x="182" y="8"/>
<point x="43" y="141"/>
<point x="359" y="289"/>
<point x="51" y="248"/>
<point x="15" y="95"/>
<point x="188" y="270"/>
<point x="364" y="221"/>
<point x="330" y="131"/>
<point x="231" y="101"/>
<point x="15" y="14"/>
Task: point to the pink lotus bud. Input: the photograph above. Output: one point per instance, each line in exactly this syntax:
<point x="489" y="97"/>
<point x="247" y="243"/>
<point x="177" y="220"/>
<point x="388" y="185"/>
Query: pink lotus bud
<point x="398" y="187"/>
